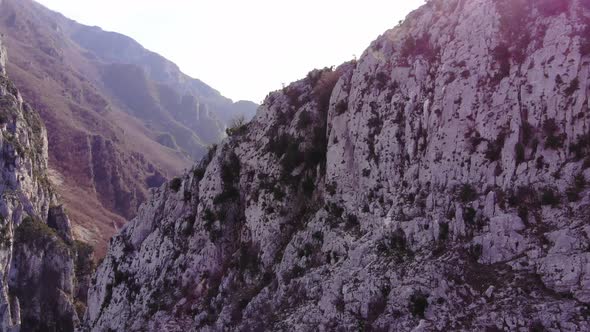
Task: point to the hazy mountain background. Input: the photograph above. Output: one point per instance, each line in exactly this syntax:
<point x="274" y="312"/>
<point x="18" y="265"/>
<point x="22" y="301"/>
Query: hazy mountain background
<point x="120" y="119"/>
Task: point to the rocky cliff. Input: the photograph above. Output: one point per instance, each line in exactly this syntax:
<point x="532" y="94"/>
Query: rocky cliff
<point x="439" y="183"/>
<point x="37" y="251"/>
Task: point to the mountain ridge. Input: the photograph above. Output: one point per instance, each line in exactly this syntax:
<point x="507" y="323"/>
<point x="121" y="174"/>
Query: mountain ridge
<point x="437" y="183"/>
<point x="105" y="148"/>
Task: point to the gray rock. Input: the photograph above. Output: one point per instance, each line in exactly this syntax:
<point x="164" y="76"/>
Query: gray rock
<point x="390" y="193"/>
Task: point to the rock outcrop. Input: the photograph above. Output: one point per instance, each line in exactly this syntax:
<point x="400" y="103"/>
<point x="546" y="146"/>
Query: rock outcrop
<point x="37" y="250"/>
<point x="439" y="183"/>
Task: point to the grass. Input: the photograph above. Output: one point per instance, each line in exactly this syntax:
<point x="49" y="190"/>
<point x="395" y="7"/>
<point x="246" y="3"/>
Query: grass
<point x="37" y="234"/>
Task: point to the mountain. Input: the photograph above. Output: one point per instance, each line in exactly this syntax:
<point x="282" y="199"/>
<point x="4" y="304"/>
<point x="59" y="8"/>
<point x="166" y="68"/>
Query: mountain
<point x="437" y="184"/>
<point x="45" y="273"/>
<point x="121" y="119"/>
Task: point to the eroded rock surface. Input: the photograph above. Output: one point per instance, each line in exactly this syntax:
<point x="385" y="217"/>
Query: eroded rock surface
<point x="36" y="246"/>
<point x="439" y="183"/>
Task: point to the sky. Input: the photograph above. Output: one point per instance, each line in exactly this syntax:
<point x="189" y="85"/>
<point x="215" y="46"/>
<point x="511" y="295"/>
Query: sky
<point x="245" y="48"/>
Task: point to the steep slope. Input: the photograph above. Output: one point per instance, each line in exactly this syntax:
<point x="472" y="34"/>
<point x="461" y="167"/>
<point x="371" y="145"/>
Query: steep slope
<point x="439" y="183"/>
<point x="39" y="291"/>
<point x="120" y="119"/>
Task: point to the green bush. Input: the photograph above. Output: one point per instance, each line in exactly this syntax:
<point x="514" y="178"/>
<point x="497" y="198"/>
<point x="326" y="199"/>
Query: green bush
<point x="304" y="120"/>
<point x="341" y="107"/>
<point x="469" y="215"/>
<point x="37" y="234"/>
<point x="394" y="242"/>
<point x="573" y="87"/>
<point x="443" y="231"/>
<point x="237" y="126"/>
<point x="580" y="148"/>
<point x="549" y="197"/>
<point x="578" y="184"/>
<point x="494" y="150"/>
<point x="502" y="57"/>
<point x="84" y="263"/>
<point x="552" y="139"/>
<point x="475" y="252"/>
<point x="175" y="184"/>
<point x="418" y="304"/>
<point x="230" y="169"/>
<point x="519" y="152"/>
<point x="466" y="193"/>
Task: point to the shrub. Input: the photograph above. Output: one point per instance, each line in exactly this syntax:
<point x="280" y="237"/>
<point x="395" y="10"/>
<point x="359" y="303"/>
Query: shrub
<point x="581" y="147"/>
<point x="494" y="150"/>
<point x="550" y="127"/>
<point x="527" y="132"/>
<point x="576" y="187"/>
<point x="279" y="145"/>
<point x="573" y="87"/>
<point x="175" y="184"/>
<point x="293" y="96"/>
<point x="501" y="56"/>
<point x="418" y="304"/>
<point x="466" y="193"/>
<point x="230" y="169"/>
<point x="199" y="173"/>
<point x="237" y="126"/>
<point x="247" y="259"/>
<point x="443" y="231"/>
<point x="318" y="236"/>
<point x="208" y="216"/>
<point x="316" y="152"/>
<point x="418" y="47"/>
<point x="38" y="234"/>
<point x="554" y="142"/>
<point x="341" y="107"/>
<point x="278" y="193"/>
<point x="519" y="153"/>
<point x="292" y="157"/>
<point x="475" y="252"/>
<point x="352" y="221"/>
<point x="228" y="193"/>
<point x="394" y="242"/>
<point x="304" y="120"/>
<point x="323" y="89"/>
<point x="84" y="263"/>
<point x="549" y="197"/>
<point x="469" y="215"/>
<point x="552" y="139"/>
<point x="382" y="79"/>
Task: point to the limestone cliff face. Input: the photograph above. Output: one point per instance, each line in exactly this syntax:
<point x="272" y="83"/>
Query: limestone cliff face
<point x="439" y="183"/>
<point x="36" y="245"/>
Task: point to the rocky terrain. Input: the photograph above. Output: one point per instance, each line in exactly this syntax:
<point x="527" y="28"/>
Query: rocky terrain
<point x="437" y="184"/>
<point x="120" y="119"/>
<point x="44" y="272"/>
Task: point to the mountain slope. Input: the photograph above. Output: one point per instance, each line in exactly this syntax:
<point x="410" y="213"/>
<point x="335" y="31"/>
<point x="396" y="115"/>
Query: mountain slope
<point x="42" y="285"/>
<point x="439" y="183"/>
<point x="121" y="119"/>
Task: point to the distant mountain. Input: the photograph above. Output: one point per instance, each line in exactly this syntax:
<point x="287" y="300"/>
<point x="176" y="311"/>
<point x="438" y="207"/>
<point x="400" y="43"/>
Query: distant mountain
<point x="120" y="118"/>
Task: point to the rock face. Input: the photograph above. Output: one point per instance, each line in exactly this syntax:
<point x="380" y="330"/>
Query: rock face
<point x="439" y="183"/>
<point x="117" y="114"/>
<point x="36" y="246"/>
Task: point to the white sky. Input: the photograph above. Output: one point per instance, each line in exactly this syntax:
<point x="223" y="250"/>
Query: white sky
<point x="245" y="48"/>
